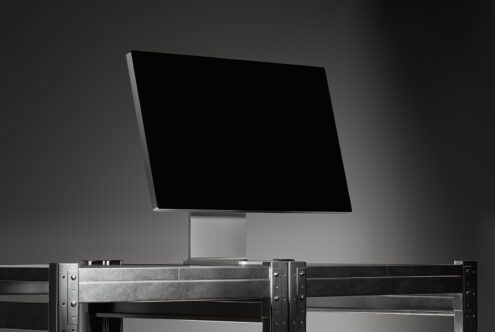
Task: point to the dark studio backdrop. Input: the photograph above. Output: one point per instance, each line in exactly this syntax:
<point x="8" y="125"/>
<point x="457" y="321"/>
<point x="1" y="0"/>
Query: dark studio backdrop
<point x="412" y="86"/>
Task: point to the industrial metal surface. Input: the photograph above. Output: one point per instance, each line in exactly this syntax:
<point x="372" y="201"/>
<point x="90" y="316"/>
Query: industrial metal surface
<point x="95" y="296"/>
<point x="441" y="305"/>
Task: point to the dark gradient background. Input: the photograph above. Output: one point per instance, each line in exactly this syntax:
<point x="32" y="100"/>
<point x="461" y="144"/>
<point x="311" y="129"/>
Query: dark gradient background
<point x="412" y="88"/>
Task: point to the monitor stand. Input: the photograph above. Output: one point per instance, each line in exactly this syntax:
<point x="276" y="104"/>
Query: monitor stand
<point x="217" y="238"/>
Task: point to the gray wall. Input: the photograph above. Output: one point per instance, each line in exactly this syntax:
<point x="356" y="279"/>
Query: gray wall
<point x="410" y="87"/>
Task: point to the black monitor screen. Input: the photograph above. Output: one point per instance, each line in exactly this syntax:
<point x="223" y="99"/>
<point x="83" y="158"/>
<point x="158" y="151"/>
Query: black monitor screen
<point x="236" y="135"/>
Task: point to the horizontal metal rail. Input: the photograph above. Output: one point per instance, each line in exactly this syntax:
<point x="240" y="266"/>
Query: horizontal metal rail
<point x="336" y="271"/>
<point x="415" y="305"/>
<point x="246" y="311"/>
<point x="23" y="287"/>
<point x="163" y="283"/>
<point x="23" y="279"/>
<point x="24" y="272"/>
<point x="382" y="286"/>
<point x="355" y="280"/>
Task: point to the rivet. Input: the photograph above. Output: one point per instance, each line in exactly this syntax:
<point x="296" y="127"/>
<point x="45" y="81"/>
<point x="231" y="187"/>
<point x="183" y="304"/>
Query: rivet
<point x="275" y="274"/>
<point x="302" y="297"/>
<point x="301" y="273"/>
<point x="302" y="322"/>
<point x="73" y="277"/>
<point x="276" y="298"/>
<point x="73" y="304"/>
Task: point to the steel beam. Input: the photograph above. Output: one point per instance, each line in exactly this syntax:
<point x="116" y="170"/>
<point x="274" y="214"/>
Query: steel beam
<point x="349" y="271"/>
<point x="245" y="311"/>
<point x="165" y="283"/>
<point x="355" y="280"/>
<point x="317" y="287"/>
<point x="398" y="304"/>
<point x="24" y="272"/>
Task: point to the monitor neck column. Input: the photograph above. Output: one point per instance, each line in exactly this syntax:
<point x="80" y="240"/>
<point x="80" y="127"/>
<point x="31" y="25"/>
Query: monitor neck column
<point x="217" y="238"/>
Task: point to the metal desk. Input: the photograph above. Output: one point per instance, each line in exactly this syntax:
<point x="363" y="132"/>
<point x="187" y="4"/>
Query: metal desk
<point x="276" y="293"/>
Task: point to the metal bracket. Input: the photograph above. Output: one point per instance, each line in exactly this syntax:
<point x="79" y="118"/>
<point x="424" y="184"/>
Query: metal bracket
<point x="470" y="296"/>
<point x="279" y="296"/>
<point x="64" y="298"/>
<point x="288" y="296"/>
<point x="297" y="296"/>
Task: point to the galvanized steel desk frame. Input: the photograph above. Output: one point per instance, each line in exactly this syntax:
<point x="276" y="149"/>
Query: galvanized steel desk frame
<point x="276" y="293"/>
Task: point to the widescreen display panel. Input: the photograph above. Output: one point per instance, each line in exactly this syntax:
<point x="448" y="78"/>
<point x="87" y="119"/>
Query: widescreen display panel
<point x="236" y="135"/>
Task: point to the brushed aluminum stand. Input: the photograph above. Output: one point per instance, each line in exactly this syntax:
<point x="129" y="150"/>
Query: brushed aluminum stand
<point x="217" y="238"/>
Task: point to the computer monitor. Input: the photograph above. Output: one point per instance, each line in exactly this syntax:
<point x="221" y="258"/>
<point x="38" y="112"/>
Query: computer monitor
<point x="225" y="137"/>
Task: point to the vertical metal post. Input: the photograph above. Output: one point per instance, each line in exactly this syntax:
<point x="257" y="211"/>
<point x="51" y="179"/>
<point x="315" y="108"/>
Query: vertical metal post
<point x="279" y="296"/>
<point x="266" y="315"/>
<point x="297" y="296"/>
<point x="64" y="298"/>
<point x="288" y="296"/>
<point x="466" y="306"/>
